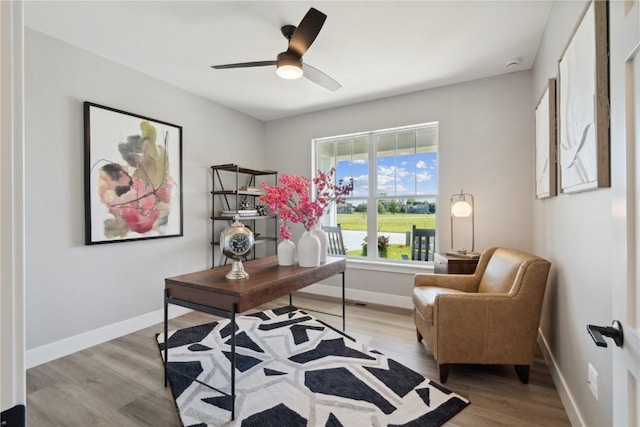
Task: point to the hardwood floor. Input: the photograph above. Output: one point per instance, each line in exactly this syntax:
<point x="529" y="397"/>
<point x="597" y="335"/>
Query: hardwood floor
<point x="120" y="382"/>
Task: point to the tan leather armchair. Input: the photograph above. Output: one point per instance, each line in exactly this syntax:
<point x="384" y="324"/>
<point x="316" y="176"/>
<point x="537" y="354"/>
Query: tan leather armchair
<point x="490" y="317"/>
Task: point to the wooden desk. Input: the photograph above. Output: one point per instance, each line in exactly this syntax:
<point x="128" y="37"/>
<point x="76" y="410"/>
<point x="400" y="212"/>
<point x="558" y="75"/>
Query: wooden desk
<point x="211" y="292"/>
<point x="451" y="264"/>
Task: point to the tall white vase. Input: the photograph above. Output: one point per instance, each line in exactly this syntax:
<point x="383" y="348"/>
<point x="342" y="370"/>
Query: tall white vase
<point x="308" y="250"/>
<point x="324" y="242"/>
<point x="286" y="252"/>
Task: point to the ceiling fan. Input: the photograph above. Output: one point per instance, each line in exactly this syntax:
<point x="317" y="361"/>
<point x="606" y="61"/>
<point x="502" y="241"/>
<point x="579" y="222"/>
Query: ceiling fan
<point x="289" y="63"/>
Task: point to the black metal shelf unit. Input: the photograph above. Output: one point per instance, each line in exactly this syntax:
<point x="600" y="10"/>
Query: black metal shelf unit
<point x="234" y="185"/>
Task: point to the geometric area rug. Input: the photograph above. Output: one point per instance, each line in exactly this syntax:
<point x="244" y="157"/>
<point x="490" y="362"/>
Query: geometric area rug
<point x="294" y="370"/>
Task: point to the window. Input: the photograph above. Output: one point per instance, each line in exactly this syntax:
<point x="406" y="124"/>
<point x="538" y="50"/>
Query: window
<point x="395" y="173"/>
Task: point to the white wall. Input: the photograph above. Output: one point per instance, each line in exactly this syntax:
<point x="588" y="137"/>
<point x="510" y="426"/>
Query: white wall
<point x="574" y="233"/>
<point x="72" y="289"/>
<point x="486" y="148"/>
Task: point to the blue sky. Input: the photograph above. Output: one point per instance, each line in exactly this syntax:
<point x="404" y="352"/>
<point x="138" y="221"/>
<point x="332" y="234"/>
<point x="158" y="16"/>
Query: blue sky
<point x="405" y="175"/>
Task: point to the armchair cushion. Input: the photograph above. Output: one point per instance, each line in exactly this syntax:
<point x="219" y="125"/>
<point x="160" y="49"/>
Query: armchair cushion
<point x="500" y="271"/>
<point x="424" y="298"/>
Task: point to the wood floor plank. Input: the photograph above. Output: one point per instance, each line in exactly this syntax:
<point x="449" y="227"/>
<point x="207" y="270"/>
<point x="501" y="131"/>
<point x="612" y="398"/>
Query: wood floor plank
<point x="152" y="410"/>
<point x="70" y="404"/>
<point x="120" y="382"/>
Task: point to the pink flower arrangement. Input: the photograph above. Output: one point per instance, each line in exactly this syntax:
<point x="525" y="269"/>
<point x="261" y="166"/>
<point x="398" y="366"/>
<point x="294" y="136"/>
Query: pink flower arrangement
<point x="327" y="191"/>
<point x="291" y="200"/>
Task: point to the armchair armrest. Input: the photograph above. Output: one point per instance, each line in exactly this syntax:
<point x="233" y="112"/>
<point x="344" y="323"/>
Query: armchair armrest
<point x="498" y="327"/>
<point x="461" y="282"/>
<point x="469" y="310"/>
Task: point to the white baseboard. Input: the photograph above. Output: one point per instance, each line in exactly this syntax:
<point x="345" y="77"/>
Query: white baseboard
<point x="563" y="390"/>
<point x="55" y="350"/>
<point x="360" y="295"/>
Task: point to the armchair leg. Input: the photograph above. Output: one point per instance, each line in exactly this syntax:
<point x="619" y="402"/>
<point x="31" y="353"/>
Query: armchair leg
<point x="523" y="373"/>
<point x="444" y="372"/>
<point x="418" y="335"/>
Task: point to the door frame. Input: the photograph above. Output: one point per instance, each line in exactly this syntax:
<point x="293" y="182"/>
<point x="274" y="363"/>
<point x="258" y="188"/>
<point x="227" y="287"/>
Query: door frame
<point x="624" y="19"/>
<point x="12" y="219"/>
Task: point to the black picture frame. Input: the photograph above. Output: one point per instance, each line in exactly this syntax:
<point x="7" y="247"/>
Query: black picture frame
<point x="132" y="176"/>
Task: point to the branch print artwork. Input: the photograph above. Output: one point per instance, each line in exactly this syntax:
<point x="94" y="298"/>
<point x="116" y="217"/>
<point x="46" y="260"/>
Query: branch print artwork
<point x="577" y="103"/>
<point x="583" y="105"/>
<point x="133" y="176"/>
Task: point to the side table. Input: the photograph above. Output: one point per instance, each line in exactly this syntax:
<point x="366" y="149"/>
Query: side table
<point x="451" y="264"/>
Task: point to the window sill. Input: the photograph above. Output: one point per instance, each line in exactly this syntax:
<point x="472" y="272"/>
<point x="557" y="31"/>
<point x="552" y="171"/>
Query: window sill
<point x="402" y="267"/>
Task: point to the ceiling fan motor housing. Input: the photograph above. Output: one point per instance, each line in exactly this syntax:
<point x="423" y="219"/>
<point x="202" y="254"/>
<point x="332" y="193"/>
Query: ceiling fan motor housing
<point x="287" y="58"/>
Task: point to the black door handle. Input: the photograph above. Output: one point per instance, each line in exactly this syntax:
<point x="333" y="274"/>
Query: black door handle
<point x="599" y="332"/>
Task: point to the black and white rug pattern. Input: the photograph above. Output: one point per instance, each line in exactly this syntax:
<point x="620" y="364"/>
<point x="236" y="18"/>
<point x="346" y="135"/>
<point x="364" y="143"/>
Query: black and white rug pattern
<point x="294" y="370"/>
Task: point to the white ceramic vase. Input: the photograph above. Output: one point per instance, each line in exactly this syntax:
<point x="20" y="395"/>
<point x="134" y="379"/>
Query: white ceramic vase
<point x="324" y="242"/>
<point x="286" y="252"/>
<point x="308" y="250"/>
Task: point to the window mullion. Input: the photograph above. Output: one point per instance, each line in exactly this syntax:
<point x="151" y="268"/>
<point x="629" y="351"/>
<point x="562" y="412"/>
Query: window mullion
<point x="372" y="203"/>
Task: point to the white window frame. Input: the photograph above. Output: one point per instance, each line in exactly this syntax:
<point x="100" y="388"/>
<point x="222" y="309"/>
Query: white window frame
<point x="372" y="198"/>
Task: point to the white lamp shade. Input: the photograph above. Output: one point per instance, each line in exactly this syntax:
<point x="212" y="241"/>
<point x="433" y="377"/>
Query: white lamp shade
<point x="461" y="209"/>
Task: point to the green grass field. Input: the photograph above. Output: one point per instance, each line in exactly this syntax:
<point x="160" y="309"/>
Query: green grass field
<point x="390" y="223"/>
<point x="394" y="252"/>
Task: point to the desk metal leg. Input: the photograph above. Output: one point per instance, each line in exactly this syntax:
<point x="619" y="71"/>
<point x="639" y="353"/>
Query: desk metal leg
<point x="231" y="315"/>
<point x="233" y="362"/>
<point x="166" y="338"/>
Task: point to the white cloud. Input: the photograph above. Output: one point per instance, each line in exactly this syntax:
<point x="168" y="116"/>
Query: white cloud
<point x="386" y="170"/>
<point x="402" y="173"/>
<point x="385" y="179"/>
<point x="362" y="179"/>
<point x="421" y="164"/>
<point x="424" y="176"/>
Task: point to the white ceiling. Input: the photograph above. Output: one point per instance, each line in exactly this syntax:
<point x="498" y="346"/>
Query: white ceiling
<point x="374" y="49"/>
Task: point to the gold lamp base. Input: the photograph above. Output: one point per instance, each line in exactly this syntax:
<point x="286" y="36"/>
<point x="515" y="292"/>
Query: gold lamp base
<point x="237" y="271"/>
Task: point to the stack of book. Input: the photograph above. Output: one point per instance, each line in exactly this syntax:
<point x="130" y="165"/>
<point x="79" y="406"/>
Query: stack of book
<point x="250" y="190"/>
<point x="247" y="212"/>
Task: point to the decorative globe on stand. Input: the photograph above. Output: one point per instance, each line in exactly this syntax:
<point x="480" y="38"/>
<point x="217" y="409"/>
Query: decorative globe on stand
<point x="236" y="242"/>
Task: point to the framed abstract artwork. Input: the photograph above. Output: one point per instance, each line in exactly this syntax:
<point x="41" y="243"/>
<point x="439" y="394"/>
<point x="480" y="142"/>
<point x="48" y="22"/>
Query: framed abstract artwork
<point x="133" y="176"/>
<point x="583" y="109"/>
<point x="546" y="171"/>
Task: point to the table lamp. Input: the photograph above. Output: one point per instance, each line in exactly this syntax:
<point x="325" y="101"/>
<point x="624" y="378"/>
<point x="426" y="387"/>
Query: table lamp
<point x="462" y="207"/>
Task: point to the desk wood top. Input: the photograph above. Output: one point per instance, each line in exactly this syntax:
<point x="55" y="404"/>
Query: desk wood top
<point x="267" y="281"/>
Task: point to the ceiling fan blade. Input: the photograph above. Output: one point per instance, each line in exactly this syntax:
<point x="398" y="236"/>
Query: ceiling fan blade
<point x="306" y="32"/>
<point x="244" y="65"/>
<point x="320" y="78"/>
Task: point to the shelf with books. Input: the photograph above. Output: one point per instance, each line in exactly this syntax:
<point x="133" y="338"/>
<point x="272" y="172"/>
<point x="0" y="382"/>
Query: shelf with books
<point x="235" y="192"/>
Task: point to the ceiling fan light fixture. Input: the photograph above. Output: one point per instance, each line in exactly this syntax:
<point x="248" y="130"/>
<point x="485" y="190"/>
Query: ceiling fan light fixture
<point x="289" y="66"/>
<point x="289" y="72"/>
